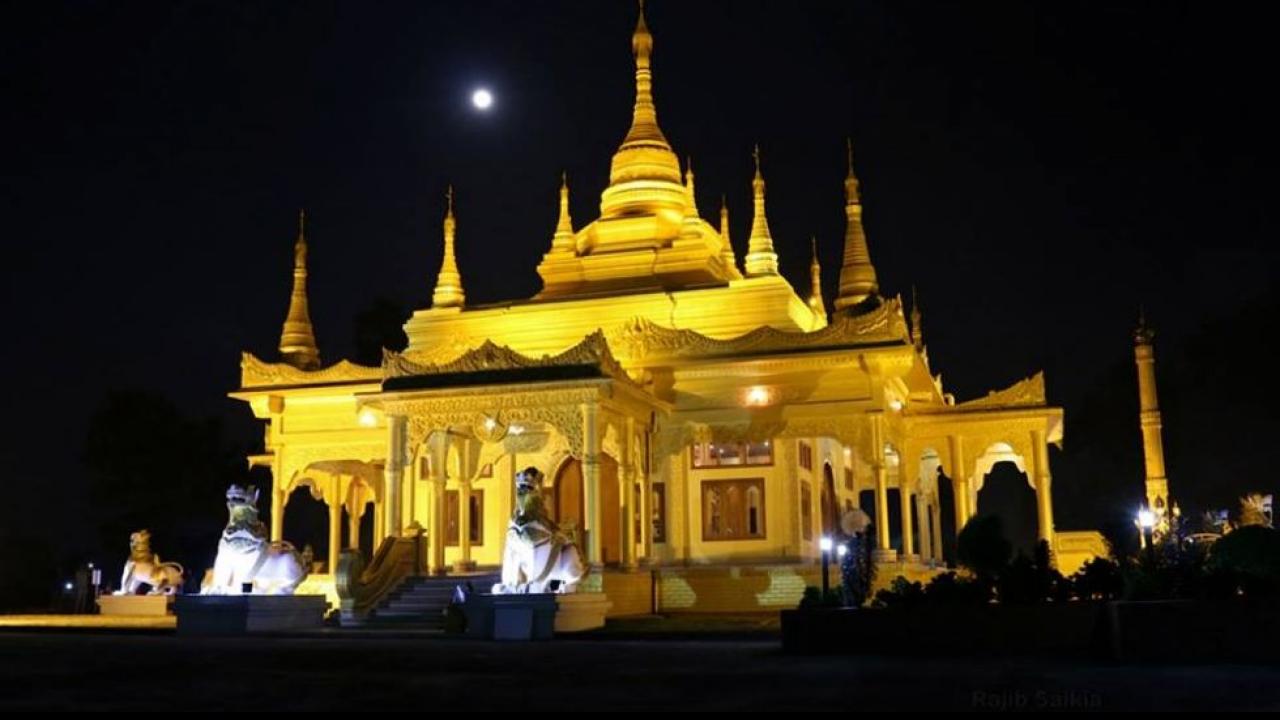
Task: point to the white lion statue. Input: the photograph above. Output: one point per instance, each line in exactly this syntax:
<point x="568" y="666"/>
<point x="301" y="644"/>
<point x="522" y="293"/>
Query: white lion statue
<point x="246" y="556"/>
<point x="144" y="566"/>
<point x="538" y="557"/>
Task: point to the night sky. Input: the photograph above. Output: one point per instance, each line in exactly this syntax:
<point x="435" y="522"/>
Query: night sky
<point x="1037" y="171"/>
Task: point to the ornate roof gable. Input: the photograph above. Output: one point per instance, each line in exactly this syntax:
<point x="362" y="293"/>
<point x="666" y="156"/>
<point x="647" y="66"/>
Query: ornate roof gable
<point x="641" y="338"/>
<point x="255" y="373"/>
<point x="489" y="356"/>
<point x="1028" y="392"/>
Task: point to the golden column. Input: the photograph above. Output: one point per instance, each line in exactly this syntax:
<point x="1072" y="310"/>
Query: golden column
<point x="1157" y="485"/>
<point x="959" y="483"/>
<point x="298" y="340"/>
<point x="393" y="473"/>
<point x="883" y="551"/>
<point x="761" y="259"/>
<point x="908" y="527"/>
<point x="857" y="274"/>
<point x="448" y="290"/>
<point x="594" y="519"/>
<point x="1044" y="486"/>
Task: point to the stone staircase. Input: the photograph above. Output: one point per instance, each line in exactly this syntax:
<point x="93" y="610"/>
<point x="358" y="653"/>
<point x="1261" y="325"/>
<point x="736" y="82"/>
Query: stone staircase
<point x="419" y="602"/>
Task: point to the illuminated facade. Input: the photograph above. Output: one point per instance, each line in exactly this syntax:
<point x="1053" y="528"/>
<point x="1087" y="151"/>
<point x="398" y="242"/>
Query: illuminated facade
<point x="692" y="415"/>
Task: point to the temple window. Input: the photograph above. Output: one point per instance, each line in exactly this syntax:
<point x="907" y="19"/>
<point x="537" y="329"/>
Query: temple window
<point x="733" y="509"/>
<point x="658" y="511"/>
<point x="453" y="520"/>
<point x="806" y="511"/>
<point x="806" y="456"/>
<point x="731" y="454"/>
<point x="848" y="479"/>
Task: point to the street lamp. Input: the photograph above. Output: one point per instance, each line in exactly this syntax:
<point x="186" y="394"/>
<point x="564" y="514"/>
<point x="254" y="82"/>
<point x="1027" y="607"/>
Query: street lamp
<point x="1146" y="524"/>
<point x="824" y="544"/>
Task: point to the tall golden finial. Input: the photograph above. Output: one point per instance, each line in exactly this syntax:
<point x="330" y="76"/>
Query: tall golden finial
<point x="816" y="304"/>
<point x="448" y="290"/>
<point x="917" y="318"/>
<point x="761" y="259"/>
<point x="857" y="274"/>
<point x="645" y="157"/>
<point x="726" y="250"/>
<point x="563" y="240"/>
<point x="691" y="226"/>
<point x="298" y="340"/>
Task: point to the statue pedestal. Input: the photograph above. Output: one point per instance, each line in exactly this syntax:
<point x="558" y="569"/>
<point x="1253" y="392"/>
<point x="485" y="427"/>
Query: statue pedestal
<point x="242" y="614"/>
<point x="148" y="605"/>
<point x="580" y="611"/>
<point x="536" y="616"/>
<point x="511" y="617"/>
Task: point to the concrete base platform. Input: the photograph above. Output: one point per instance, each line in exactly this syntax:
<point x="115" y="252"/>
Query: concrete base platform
<point x="241" y="614"/>
<point x="576" y="612"/>
<point x="149" y="605"/>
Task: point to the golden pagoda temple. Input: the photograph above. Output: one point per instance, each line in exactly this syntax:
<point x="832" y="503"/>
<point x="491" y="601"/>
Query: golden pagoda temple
<point x="701" y="425"/>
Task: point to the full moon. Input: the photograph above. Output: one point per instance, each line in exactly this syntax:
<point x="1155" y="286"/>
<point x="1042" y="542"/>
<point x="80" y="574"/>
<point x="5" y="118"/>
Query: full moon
<point x="482" y="99"/>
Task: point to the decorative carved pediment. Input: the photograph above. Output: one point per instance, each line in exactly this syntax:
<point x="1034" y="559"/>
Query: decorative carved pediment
<point x="1024" y="393"/>
<point x="593" y="350"/>
<point x="641" y="338"/>
<point x="255" y="373"/>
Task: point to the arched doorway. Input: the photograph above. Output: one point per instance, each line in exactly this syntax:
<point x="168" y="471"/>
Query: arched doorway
<point x="568" y="507"/>
<point x="306" y="523"/>
<point x="946" y="518"/>
<point x="830" y="508"/>
<point x="1006" y="494"/>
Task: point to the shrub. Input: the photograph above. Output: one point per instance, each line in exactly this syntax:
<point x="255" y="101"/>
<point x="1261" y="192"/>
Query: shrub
<point x="1098" y="579"/>
<point x="982" y="546"/>
<point x="1248" y="558"/>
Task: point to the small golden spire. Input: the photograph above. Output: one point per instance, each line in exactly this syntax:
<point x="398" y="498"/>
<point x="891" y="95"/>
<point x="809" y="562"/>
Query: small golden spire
<point x="726" y="250"/>
<point x="857" y="274"/>
<point x="688" y="183"/>
<point x="298" y="340"/>
<point x="1143" y="334"/>
<point x="562" y="240"/>
<point x="761" y="258"/>
<point x="917" y="318"/>
<point x="448" y="290"/>
<point x="816" y="304"/>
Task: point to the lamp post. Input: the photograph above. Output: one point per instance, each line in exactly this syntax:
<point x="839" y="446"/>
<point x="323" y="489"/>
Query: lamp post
<point x="825" y="545"/>
<point x="1146" y="525"/>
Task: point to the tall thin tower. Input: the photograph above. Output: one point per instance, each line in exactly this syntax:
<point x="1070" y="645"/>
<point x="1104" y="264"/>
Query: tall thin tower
<point x="1157" y="485"/>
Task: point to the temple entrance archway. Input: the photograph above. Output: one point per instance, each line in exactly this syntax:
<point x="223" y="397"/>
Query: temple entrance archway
<point x="568" y="506"/>
<point x="306" y="522"/>
<point x="1007" y="494"/>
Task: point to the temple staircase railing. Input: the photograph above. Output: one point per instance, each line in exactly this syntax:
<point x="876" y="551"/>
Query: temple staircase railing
<point x="362" y="587"/>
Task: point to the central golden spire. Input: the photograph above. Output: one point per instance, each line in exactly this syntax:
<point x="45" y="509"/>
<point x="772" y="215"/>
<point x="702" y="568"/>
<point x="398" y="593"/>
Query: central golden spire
<point x="761" y="259"/>
<point x="448" y="291"/>
<point x="857" y="274"/>
<point x="644" y="177"/>
<point x="298" y="340"/>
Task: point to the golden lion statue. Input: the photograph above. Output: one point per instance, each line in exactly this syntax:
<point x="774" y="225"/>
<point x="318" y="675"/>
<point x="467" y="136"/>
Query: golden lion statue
<point x="144" y="566"/>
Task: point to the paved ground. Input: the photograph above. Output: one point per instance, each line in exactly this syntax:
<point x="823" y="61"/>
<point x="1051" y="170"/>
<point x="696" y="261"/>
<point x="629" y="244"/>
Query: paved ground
<point x="335" y="671"/>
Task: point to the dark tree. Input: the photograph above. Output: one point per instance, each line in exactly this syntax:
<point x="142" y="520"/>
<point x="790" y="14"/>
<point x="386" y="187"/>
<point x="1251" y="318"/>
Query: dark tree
<point x="152" y="467"/>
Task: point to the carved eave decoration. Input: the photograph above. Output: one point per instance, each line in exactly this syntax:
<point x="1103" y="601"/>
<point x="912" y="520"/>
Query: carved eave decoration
<point x="593" y="351"/>
<point x="641" y="340"/>
<point x="256" y="373"/>
<point x="1028" y="392"/>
